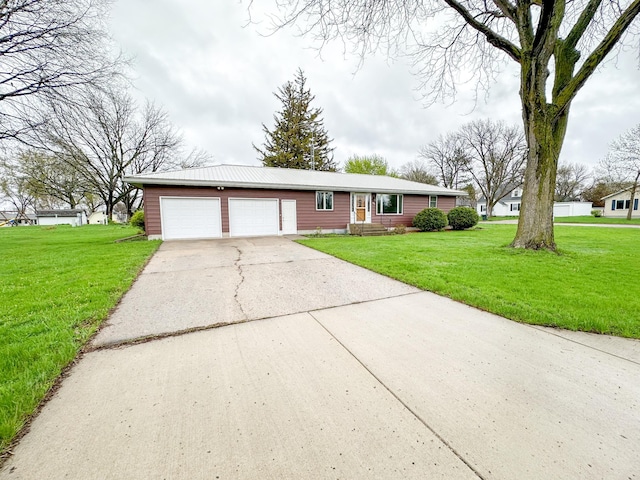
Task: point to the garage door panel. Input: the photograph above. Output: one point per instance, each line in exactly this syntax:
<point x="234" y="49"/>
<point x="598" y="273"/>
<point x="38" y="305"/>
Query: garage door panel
<point x="253" y="217"/>
<point x="190" y="217"/>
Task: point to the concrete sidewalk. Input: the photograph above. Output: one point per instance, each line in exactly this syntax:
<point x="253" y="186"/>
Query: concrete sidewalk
<point x="402" y="385"/>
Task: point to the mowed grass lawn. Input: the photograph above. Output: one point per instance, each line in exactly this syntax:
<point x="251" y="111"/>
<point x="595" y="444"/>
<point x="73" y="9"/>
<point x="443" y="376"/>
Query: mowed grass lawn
<point x="593" y="285"/>
<point x="57" y="285"/>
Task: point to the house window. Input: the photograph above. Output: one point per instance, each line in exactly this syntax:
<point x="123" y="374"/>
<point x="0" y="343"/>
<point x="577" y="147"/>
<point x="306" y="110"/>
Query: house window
<point x="517" y="193"/>
<point x="389" y="204"/>
<point x="621" y="204"/>
<point x="324" y="200"/>
<point x="515" y="207"/>
<point x="483" y="208"/>
<point x="433" y="201"/>
<point x="635" y="204"/>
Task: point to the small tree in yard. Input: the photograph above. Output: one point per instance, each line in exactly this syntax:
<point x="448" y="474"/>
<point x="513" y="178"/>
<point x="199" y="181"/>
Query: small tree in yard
<point x="461" y="218"/>
<point x="623" y="162"/>
<point x="430" y="220"/>
<point x="137" y="219"/>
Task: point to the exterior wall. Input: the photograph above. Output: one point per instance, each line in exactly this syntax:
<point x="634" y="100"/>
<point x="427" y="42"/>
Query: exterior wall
<point x="411" y="204"/>
<point x="308" y="218"/>
<point x="572" y="209"/>
<point x="500" y="209"/>
<point x="75" y="221"/>
<point x="609" y="211"/>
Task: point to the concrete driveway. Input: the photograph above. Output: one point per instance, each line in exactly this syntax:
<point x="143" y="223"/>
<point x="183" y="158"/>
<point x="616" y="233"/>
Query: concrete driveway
<point x="346" y="374"/>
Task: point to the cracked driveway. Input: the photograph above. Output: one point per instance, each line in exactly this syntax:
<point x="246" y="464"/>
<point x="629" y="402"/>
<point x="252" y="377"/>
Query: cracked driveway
<point x="192" y="285"/>
<point x="346" y="374"/>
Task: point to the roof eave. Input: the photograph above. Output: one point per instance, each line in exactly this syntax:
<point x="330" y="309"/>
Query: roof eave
<point x="139" y="182"/>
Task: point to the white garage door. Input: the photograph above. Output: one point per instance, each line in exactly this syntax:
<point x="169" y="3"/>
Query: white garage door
<point x="190" y="217"/>
<point x="253" y="217"/>
<point x="561" y="210"/>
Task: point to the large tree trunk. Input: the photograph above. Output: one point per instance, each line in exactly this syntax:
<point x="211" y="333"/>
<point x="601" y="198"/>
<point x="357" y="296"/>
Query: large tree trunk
<point x="545" y="128"/>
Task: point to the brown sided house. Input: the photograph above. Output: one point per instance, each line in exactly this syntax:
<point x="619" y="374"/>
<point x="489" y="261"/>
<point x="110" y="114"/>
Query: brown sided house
<point x="240" y="201"/>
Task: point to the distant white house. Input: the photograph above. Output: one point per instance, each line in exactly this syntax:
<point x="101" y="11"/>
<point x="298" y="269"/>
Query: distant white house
<point x="509" y="206"/>
<point x="74" y="217"/>
<point x="617" y="204"/>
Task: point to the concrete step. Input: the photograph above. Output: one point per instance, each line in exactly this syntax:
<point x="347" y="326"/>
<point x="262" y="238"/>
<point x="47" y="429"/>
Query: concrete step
<point x="367" y="229"/>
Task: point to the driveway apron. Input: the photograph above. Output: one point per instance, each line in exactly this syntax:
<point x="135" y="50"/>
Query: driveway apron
<point x="326" y="370"/>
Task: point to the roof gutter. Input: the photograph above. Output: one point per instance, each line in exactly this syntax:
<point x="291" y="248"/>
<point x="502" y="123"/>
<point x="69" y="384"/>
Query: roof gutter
<point x="140" y="182"/>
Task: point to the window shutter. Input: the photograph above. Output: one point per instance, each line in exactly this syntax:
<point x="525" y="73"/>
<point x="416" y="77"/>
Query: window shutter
<point x="613" y="204"/>
<point x="635" y="204"/>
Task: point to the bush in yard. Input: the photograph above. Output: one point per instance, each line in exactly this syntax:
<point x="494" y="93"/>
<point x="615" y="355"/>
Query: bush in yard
<point x="461" y="218"/>
<point x="596" y="213"/>
<point x="137" y="219"/>
<point x="430" y="219"/>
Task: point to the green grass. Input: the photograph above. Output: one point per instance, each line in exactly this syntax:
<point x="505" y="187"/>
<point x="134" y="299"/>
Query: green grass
<point x="598" y="220"/>
<point x="57" y="285"/>
<point x="583" y="219"/>
<point x="592" y="285"/>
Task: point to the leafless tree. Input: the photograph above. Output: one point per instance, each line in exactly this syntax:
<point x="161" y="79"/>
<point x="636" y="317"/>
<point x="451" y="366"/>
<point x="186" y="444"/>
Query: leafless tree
<point x="105" y="137"/>
<point x="418" y="171"/>
<point x="48" y="47"/>
<point x="556" y="44"/>
<point x="497" y="156"/>
<point x="14" y="188"/>
<point x="51" y="181"/>
<point x="571" y="181"/>
<point x="623" y="162"/>
<point x="448" y="156"/>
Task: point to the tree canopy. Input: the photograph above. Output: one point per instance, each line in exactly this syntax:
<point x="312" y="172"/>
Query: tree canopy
<point x="368" y="164"/>
<point x="298" y="139"/>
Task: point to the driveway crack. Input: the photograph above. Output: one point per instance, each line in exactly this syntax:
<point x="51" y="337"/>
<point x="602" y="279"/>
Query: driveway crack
<point x="238" y="267"/>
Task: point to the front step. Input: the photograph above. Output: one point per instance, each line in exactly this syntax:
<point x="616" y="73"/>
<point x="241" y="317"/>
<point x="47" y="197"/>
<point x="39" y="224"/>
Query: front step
<point x="367" y="229"/>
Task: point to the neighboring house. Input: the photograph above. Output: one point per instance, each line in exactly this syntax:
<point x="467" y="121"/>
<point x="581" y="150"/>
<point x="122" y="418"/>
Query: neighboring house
<point x="98" y="218"/>
<point x="10" y="218"/>
<point x="509" y="206"/>
<point x="238" y="201"/>
<point x="74" y="217"/>
<point x="617" y="204"/>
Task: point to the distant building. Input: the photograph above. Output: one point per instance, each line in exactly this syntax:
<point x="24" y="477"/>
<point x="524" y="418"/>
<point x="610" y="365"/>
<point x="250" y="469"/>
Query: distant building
<point x="74" y="217"/>
<point x="617" y="204"/>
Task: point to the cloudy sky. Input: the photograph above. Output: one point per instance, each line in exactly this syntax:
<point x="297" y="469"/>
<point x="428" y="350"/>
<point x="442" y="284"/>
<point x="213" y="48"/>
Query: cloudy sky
<point x="215" y="75"/>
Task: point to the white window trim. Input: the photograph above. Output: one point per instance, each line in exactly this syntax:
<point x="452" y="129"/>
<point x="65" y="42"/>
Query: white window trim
<point x="324" y="201"/>
<point x="401" y="203"/>
<point x="436" y="202"/>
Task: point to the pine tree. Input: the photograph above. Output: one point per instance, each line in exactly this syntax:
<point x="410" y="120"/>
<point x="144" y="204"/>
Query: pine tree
<point x="299" y="139"/>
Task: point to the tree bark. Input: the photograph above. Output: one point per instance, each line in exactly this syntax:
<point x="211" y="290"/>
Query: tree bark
<point x="634" y="188"/>
<point x="545" y="128"/>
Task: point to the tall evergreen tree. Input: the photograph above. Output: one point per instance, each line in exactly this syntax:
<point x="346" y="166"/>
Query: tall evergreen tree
<point x="298" y="139"/>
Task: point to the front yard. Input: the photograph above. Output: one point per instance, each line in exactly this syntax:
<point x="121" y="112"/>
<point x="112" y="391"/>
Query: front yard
<point x="57" y="285"/>
<point x="591" y="286"/>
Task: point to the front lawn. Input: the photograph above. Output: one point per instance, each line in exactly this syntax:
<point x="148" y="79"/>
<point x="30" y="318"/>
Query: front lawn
<point x="591" y="286"/>
<point x="57" y="285"/>
<point x="598" y="220"/>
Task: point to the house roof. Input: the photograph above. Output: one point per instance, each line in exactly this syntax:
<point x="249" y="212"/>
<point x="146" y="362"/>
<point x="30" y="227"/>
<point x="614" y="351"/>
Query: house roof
<point x="617" y="193"/>
<point x="242" y="176"/>
<point x="59" y="213"/>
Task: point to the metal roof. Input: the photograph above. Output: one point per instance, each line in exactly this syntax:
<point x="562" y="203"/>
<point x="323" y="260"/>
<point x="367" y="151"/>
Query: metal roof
<point x="243" y="176"/>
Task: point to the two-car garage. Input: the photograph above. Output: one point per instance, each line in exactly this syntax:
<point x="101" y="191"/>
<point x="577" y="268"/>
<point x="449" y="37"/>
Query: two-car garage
<point x="201" y="217"/>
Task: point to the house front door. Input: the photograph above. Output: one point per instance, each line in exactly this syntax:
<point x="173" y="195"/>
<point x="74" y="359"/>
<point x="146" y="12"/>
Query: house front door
<point x="361" y="208"/>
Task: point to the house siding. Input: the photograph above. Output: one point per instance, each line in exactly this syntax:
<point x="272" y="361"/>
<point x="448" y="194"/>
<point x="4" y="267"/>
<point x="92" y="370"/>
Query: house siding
<point x="625" y="196"/>
<point x="308" y="218"/>
<point x="412" y="204"/>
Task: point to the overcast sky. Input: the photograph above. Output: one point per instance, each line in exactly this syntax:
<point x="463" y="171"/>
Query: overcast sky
<point x="215" y="76"/>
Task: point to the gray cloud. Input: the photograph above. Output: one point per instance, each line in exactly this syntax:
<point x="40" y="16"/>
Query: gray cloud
<point x="215" y="77"/>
